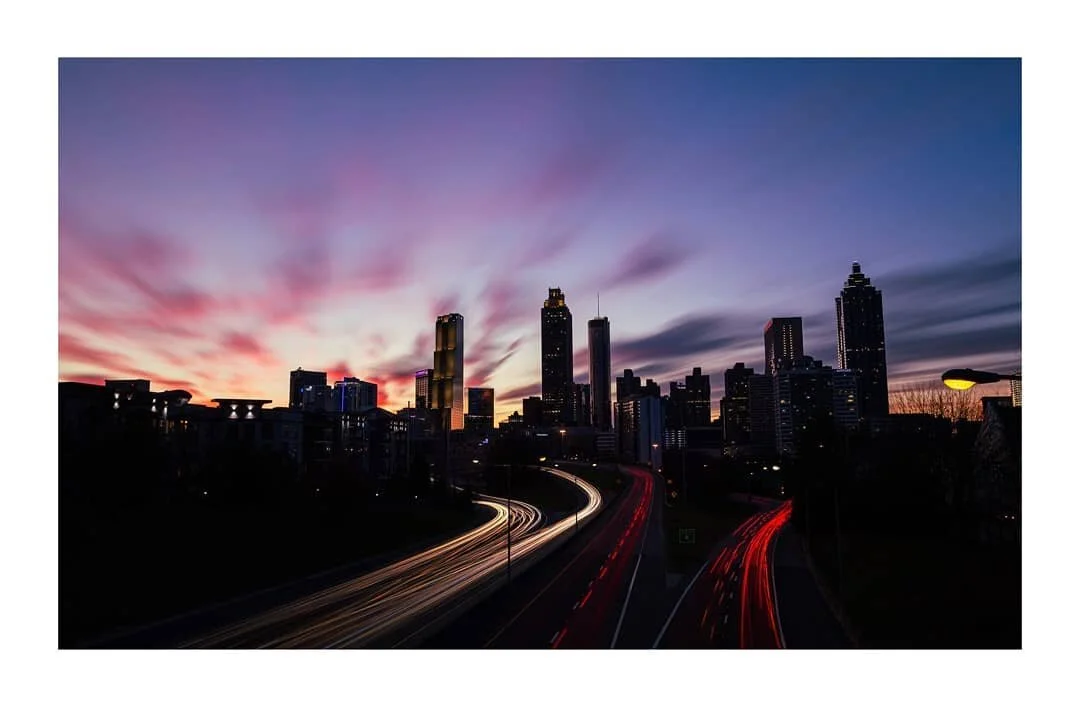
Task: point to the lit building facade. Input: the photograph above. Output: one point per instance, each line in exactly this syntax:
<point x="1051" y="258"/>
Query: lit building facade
<point x="556" y="359"/>
<point x="845" y="399"/>
<point x="736" y="405"/>
<point x="422" y="399"/>
<point x="860" y="341"/>
<point x="1015" y="390"/>
<point x="600" y="372"/>
<point x="783" y="342"/>
<point x="448" y="384"/>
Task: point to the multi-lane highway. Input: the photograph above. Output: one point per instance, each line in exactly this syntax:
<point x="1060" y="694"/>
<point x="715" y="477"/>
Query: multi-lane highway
<point x="577" y="597"/>
<point x="392" y="605"/>
<point x="732" y="601"/>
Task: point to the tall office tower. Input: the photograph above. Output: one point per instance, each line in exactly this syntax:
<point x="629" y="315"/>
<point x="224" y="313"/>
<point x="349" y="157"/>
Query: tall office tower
<point x="600" y="372"/>
<point x="640" y="434"/>
<point x="556" y="359"/>
<point x="481" y="409"/>
<point x="698" y="399"/>
<point x="532" y="411"/>
<point x="736" y="405"/>
<point x="424" y="380"/>
<point x="355" y="395"/>
<point x="626" y="385"/>
<point x="845" y="399"/>
<point x="300" y="379"/>
<point x="762" y="414"/>
<point x="675" y="415"/>
<point x="317" y="398"/>
<point x="860" y="341"/>
<point x="804" y="405"/>
<point x="448" y="389"/>
<point x="783" y="342"/>
<point x="1014" y="390"/>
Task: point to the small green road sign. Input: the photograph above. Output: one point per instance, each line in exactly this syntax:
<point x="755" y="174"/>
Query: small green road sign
<point x="687" y="536"/>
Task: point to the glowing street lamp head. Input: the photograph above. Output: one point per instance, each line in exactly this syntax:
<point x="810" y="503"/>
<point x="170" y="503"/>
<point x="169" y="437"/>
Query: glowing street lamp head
<point x="964" y="378"/>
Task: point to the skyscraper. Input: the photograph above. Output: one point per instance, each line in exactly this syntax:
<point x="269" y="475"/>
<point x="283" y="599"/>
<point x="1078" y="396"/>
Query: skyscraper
<point x="783" y="343"/>
<point x="1015" y="391"/>
<point x="600" y="372"/>
<point x="556" y="359"/>
<point x="424" y="380"/>
<point x="448" y="389"/>
<point x="805" y="404"/>
<point x="481" y="409"/>
<point x="698" y="399"/>
<point x="736" y="405"/>
<point x="301" y="379"/>
<point x="860" y="342"/>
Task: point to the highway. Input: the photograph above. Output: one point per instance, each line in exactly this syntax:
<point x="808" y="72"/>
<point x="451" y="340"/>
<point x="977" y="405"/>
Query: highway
<point x="576" y="597"/>
<point x="393" y="604"/>
<point x="732" y="601"/>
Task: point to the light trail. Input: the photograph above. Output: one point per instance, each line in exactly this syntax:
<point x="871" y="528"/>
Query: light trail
<point x="357" y="612"/>
<point x="758" y="623"/>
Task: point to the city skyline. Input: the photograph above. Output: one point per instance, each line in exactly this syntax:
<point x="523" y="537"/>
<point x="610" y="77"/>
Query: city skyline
<point x="225" y="222"/>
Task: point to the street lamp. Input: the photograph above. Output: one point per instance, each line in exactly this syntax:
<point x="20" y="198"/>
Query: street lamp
<point x="964" y="378"/>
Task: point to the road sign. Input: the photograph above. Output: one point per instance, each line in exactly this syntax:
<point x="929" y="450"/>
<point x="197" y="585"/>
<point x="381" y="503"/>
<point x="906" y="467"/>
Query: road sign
<point x="687" y="536"/>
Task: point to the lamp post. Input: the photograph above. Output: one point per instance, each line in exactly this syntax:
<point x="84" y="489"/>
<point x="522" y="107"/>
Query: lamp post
<point x="964" y="378"/>
<point x="562" y="444"/>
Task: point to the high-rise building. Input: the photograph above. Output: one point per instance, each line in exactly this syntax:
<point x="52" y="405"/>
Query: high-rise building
<point x="804" y="404"/>
<point x="736" y="405"/>
<point x="481" y="409"/>
<point x="783" y="342"/>
<point x="860" y="341"/>
<point x="600" y="372"/>
<point x="317" y="398"/>
<point x="424" y="380"/>
<point x="556" y="359"/>
<point x="762" y="414"/>
<point x="640" y="434"/>
<point x="355" y="395"/>
<point x="845" y="399"/>
<point x="582" y="404"/>
<point x="301" y="379"/>
<point x="1014" y="389"/>
<point x="448" y="389"/>
<point x="532" y="411"/>
<point x="626" y="385"/>
<point x="698" y="399"/>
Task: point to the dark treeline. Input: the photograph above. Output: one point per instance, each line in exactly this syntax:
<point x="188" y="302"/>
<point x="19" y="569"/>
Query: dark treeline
<point x="926" y="520"/>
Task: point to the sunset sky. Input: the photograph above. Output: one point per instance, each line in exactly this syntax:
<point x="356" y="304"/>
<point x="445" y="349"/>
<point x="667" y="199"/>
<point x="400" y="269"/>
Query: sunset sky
<point x="225" y="221"/>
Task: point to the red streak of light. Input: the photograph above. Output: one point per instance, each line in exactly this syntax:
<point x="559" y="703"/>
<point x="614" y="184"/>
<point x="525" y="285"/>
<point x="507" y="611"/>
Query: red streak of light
<point x="558" y="639"/>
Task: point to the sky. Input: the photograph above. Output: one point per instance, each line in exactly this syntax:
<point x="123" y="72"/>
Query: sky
<point x="223" y="222"/>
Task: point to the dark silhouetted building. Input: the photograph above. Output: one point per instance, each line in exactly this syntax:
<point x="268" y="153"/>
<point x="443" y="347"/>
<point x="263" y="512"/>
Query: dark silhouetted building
<point x="736" y="406"/>
<point x="762" y="415"/>
<point x="600" y="372"/>
<point x="532" y="411"/>
<point x="783" y="342"/>
<point x="481" y="414"/>
<point x="556" y="359"/>
<point x="860" y="342"/>
<point x="698" y="399"/>
<point x="845" y="399"/>
<point x="448" y="389"/>
<point x="355" y="395"/>
<point x="804" y="404"/>
<point x="299" y="380"/>
<point x="627" y="385"/>
<point x="424" y="380"/>
<point x="582" y="404"/>
<point x="317" y="398"/>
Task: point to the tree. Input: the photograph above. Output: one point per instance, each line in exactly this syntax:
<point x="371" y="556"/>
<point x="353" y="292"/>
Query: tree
<point x="933" y="398"/>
